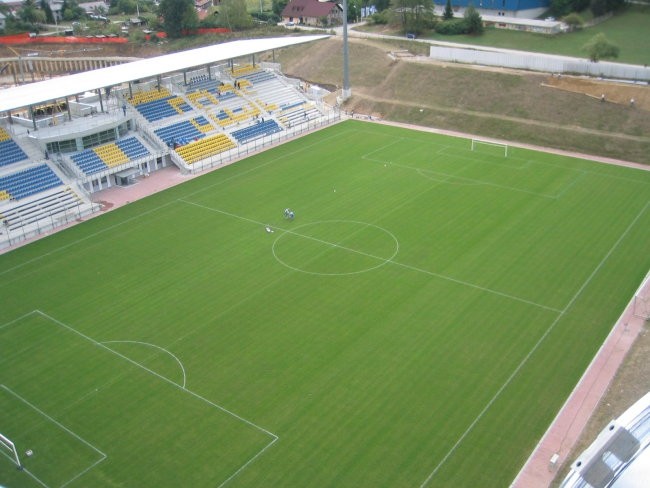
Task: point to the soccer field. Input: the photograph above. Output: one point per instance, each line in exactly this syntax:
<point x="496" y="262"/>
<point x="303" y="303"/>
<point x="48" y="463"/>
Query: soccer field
<point x="419" y="323"/>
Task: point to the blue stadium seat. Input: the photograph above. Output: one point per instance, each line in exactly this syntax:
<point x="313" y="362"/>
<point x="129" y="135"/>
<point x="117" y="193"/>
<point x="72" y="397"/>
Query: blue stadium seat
<point x="256" y="131"/>
<point x="10" y="153"/>
<point x="180" y="132"/>
<point x="29" y="181"/>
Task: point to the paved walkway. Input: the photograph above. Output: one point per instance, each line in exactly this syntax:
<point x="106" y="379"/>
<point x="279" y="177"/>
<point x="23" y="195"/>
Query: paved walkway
<point x="562" y="435"/>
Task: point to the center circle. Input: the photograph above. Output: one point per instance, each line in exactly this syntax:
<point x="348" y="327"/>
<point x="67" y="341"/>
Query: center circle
<point x="335" y="247"/>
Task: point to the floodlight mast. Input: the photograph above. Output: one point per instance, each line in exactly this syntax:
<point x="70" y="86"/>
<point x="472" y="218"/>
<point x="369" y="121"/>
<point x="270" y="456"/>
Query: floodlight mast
<point x="346" y="65"/>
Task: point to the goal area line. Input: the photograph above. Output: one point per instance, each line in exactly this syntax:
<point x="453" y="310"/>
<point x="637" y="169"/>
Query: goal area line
<point x="229" y="471"/>
<point x="48" y="419"/>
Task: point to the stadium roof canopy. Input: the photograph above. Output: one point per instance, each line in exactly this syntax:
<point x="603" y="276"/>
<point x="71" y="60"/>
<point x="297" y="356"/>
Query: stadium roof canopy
<point x="64" y="86"/>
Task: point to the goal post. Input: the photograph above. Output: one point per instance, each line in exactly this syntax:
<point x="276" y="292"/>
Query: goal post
<point x="479" y="143"/>
<point x="641" y="306"/>
<point x="9" y="446"/>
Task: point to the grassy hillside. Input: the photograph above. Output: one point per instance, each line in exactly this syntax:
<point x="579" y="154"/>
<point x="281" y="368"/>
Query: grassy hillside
<point x="504" y="104"/>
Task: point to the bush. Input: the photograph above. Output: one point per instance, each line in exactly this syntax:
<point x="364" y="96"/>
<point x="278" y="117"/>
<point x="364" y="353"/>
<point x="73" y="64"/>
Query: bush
<point x="473" y="21"/>
<point x="380" y="18"/>
<point x="268" y="17"/>
<point x="599" y="47"/>
<point x="452" y="27"/>
<point x="574" y="21"/>
<point x="137" y="37"/>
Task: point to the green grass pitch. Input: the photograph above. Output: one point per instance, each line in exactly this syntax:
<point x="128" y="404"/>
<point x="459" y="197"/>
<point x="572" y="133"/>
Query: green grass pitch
<point x="419" y="323"/>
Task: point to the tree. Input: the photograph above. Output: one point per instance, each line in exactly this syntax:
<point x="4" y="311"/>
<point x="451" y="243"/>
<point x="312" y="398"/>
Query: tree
<point x="448" y="13"/>
<point x="47" y="10"/>
<point x="234" y="15"/>
<point x="413" y="16"/>
<point x="473" y="21"/>
<point x="178" y="16"/>
<point x="278" y="6"/>
<point x="30" y="14"/>
<point x="354" y="10"/>
<point x="382" y="5"/>
<point x="574" y="21"/>
<point x="560" y="8"/>
<point x="127" y="6"/>
<point x="599" y="47"/>
<point x="598" y="7"/>
<point x="71" y="10"/>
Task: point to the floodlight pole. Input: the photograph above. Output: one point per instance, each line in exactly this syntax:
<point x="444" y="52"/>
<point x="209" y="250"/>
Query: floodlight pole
<point x="347" y="92"/>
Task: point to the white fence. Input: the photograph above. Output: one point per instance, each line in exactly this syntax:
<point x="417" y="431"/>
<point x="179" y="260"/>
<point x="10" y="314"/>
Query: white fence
<point x="539" y="62"/>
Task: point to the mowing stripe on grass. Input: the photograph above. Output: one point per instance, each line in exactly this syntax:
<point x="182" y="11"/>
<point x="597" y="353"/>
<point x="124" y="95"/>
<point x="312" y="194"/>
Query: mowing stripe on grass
<point x="535" y="347"/>
<point x="157" y="375"/>
<point x="381" y="258"/>
<point x="103" y="456"/>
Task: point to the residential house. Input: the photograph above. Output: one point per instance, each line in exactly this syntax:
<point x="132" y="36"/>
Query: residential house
<point x="313" y="12"/>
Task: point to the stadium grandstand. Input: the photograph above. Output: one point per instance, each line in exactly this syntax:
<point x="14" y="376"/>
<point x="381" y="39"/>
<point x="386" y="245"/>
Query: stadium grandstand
<point x="64" y="139"/>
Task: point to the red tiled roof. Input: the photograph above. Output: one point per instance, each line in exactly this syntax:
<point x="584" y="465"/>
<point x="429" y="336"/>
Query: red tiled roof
<point x="308" y="8"/>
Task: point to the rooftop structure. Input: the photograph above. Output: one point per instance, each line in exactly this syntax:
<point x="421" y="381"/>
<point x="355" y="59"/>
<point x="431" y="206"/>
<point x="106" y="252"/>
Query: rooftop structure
<point x="620" y="455"/>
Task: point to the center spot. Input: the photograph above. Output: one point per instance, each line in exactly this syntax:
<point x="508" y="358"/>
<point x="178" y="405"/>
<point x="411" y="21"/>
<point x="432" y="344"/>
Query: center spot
<point x="335" y="247"/>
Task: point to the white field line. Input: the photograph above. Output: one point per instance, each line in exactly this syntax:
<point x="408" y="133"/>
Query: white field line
<point x="535" y="347"/>
<point x="380" y="258"/>
<point x="476" y="181"/>
<point x="11" y="322"/>
<point x="245" y="465"/>
<point x="528" y="162"/>
<point x="473" y="181"/>
<point x="156" y="347"/>
<point x="25" y="470"/>
<point x="157" y="375"/>
<point x="570" y="184"/>
<point x="143" y="214"/>
<point x="581" y="381"/>
<point x="63" y="427"/>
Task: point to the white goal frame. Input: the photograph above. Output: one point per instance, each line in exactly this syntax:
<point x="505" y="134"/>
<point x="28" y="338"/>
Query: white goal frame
<point x="641" y="305"/>
<point x="476" y="142"/>
<point x="10" y="446"/>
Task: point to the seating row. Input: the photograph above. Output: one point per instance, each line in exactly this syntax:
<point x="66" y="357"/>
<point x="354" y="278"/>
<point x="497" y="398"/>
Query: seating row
<point x="202" y="124"/>
<point x="202" y="97"/>
<point x="259" y="77"/>
<point x="10" y="152"/>
<point x="88" y="161"/>
<point x="243" y="69"/>
<point x="45" y="207"/>
<point x="181" y="132"/>
<point x="204" y="148"/>
<point x="255" y="131"/>
<point x="203" y="84"/>
<point x="29" y="181"/>
<point x="132" y="147"/>
<point x="149" y="96"/>
<point x="235" y="115"/>
<point x="163" y="108"/>
<point x="111" y="155"/>
<point x="102" y="157"/>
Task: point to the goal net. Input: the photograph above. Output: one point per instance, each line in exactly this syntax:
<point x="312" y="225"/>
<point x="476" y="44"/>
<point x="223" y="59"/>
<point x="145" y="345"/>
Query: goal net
<point x="9" y="449"/>
<point x="642" y="300"/>
<point x="490" y="146"/>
